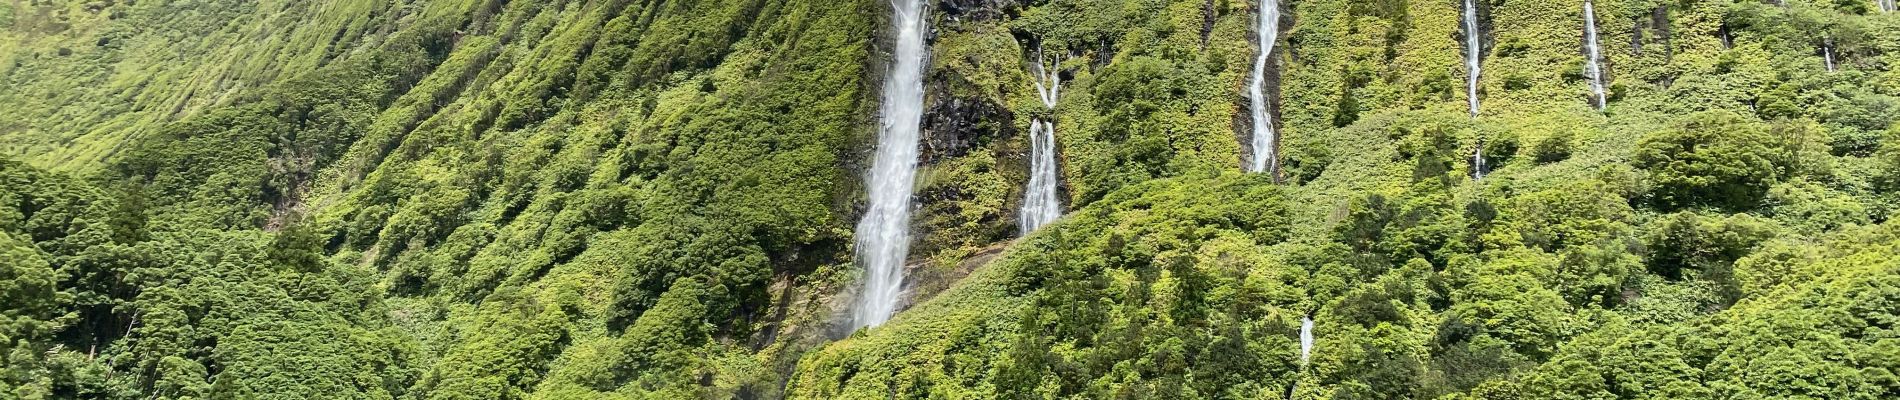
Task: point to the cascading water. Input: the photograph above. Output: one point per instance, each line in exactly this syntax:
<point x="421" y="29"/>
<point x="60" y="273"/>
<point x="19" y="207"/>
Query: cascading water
<point x="1306" y="340"/>
<point x="1473" y="70"/>
<point x="1471" y="55"/>
<point x="1040" y="206"/>
<point x="883" y="236"/>
<point x="1596" y="54"/>
<point x="1477" y="162"/>
<point x="1827" y="53"/>
<point x="1264" y="157"/>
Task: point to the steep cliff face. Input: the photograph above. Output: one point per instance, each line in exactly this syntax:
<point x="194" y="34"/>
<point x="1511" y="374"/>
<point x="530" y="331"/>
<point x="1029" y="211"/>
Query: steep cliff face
<point x="1175" y="276"/>
<point x="654" y="199"/>
<point x="983" y="98"/>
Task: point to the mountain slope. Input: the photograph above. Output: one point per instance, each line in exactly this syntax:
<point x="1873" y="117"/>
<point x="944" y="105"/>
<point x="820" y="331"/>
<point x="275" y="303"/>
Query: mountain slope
<point x="654" y="199"/>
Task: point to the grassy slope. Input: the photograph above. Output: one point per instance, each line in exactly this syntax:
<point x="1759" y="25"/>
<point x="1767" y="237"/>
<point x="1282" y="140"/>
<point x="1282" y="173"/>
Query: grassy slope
<point x="84" y="78"/>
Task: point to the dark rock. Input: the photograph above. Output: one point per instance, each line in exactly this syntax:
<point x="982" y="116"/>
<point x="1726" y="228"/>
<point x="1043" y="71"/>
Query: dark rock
<point x="977" y="10"/>
<point x="954" y="125"/>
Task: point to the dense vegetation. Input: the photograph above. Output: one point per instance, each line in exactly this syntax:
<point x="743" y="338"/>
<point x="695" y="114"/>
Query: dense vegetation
<point x="483" y="199"/>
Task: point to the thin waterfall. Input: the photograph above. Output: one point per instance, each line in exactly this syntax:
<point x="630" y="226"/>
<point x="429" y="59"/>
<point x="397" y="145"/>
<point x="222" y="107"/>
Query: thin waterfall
<point x="883" y="236"/>
<point x="1477" y="161"/>
<point x="1264" y="157"/>
<point x="1040" y="205"/>
<point x="1306" y="352"/>
<point x="1306" y="340"/>
<point x="1596" y="54"/>
<point x="1827" y="53"/>
<point x="1471" y="55"/>
<point x="1473" y="70"/>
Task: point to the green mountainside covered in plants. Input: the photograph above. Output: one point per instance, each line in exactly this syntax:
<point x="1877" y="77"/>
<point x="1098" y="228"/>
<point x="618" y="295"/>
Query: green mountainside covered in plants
<point x="582" y="199"/>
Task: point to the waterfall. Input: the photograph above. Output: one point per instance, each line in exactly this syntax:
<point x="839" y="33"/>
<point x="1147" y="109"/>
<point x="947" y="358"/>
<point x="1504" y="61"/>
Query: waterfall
<point x="1827" y="53"/>
<point x="1048" y="82"/>
<point x="1477" y="162"/>
<point x="1471" y="55"/>
<point x="1040" y="206"/>
<point x="883" y="236"/>
<point x="1264" y="157"/>
<point x="1472" y="52"/>
<point x="1306" y="340"/>
<point x="1596" y="54"/>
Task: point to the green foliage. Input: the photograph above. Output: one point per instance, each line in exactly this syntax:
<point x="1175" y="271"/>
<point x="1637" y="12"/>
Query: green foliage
<point x="1168" y="291"/>
<point x="1778" y="345"/>
<point x="561" y="199"/>
<point x="1712" y="159"/>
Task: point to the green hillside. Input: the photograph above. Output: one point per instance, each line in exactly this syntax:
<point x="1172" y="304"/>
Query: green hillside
<point x="581" y="199"/>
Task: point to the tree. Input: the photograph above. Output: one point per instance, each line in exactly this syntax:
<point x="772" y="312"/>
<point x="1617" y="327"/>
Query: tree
<point x="1712" y="158"/>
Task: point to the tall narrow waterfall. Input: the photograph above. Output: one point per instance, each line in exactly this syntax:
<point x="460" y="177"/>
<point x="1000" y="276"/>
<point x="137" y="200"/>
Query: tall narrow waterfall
<point x="1040" y="206"/>
<point x="1306" y="340"/>
<point x="1477" y="161"/>
<point x="1596" y="54"/>
<point x="1264" y="157"/>
<point x="1472" y="52"/>
<point x="883" y="235"/>
<point x="1827" y="53"/>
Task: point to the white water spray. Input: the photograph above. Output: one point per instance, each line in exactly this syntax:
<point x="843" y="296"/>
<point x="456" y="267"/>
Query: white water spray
<point x="1048" y="82"/>
<point x="883" y="236"/>
<point x="1264" y="157"/>
<point x="1306" y="340"/>
<point x="1040" y="205"/>
<point x="1471" y="55"/>
<point x="1477" y="162"/>
<point x="1596" y="54"/>
<point x="1827" y="53"/>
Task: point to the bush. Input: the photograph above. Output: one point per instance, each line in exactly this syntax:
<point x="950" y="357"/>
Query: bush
<point x="1715" y="158"/>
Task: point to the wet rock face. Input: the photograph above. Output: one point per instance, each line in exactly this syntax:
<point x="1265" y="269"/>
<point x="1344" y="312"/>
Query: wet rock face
<point x="953" y="126"/>
<point x="1653" y="32"/>
<point x="976" y="10"/>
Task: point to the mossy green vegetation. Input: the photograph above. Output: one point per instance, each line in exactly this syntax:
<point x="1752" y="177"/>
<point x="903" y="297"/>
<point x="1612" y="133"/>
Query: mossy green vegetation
<point x="490" y="199"/>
